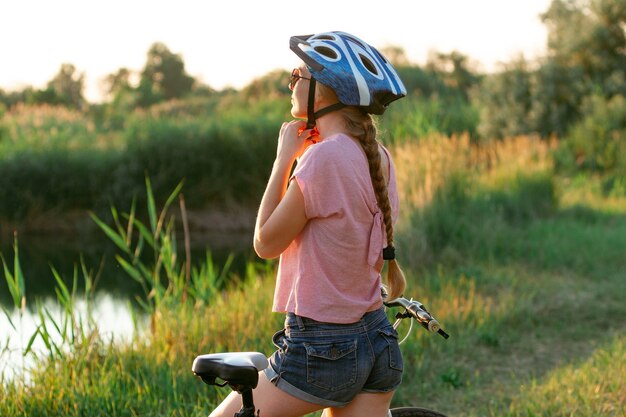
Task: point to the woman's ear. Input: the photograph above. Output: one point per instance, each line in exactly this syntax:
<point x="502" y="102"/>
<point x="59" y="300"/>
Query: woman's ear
<point x="324" y="96"/>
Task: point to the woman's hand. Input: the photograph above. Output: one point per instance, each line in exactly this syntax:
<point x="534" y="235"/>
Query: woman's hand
<point x="282" y="214"/>
<point x="293" y="140"/>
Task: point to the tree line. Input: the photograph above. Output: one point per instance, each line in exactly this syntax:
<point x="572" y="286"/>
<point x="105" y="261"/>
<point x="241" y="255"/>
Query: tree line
<point x="162" y="78"/>
<point x="578" y="84"/>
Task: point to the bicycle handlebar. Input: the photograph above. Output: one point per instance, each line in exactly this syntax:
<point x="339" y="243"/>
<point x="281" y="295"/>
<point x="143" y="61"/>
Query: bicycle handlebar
<point x="417" y="310"/>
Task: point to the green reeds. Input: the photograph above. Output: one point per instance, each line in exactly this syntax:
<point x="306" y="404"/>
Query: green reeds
<point x="15" y="283"/>
<point x="59" y="331"/>
<point x="164" y="275"/>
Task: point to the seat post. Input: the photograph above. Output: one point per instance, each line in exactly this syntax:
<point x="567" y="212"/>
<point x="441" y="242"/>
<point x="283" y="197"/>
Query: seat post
<point x="247" y="409"/>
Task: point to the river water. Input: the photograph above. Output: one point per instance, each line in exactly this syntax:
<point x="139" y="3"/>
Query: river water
<point x="115" y="291"/>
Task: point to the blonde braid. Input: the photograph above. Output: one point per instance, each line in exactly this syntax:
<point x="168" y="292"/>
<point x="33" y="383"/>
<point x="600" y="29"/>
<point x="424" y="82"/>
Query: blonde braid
<point x="361" y="126"/>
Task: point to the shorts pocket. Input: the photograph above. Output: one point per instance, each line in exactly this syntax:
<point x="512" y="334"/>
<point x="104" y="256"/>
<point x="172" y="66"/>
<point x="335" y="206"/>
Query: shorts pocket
<point x="393" y="349"/>
<point x="331" y="366"/>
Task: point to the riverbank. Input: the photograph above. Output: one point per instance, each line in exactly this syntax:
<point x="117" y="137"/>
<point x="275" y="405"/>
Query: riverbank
<point x="69" y="240"/>
<point x="222" y="227"/>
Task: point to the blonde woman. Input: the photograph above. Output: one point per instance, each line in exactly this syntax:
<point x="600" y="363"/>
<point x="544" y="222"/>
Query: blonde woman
<point x="331" y="224"/>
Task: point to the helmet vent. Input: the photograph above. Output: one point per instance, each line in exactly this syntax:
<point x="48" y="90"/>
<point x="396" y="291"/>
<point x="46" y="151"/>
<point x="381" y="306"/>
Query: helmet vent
<point x="325" y="51"/>
<point x="368" y="64"/>
<point x="323" y="38"/>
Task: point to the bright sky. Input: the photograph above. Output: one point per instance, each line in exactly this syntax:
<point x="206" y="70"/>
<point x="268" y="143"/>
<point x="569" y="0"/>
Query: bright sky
<point x="229" y="43"/>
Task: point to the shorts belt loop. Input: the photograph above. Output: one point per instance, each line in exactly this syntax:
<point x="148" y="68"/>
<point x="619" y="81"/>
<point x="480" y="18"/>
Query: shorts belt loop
<point x="300" y="323"/>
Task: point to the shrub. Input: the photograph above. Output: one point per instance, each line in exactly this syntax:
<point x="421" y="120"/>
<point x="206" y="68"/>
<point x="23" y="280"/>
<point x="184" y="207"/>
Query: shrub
<point x="598" y="142"/>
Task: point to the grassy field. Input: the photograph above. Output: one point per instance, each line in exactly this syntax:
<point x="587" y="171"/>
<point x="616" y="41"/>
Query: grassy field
<point x="524" y="268"/>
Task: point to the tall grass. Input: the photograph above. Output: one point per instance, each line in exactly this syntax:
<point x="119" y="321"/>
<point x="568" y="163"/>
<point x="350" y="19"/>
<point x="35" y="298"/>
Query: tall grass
<point x="55" y="160"/>
<point x="43" y="128"/>
<point x="461" y="198"/>
<point x="418" y="117"/>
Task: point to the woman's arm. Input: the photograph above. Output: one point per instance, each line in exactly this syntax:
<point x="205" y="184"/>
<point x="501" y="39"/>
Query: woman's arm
<point x="281" y="215"/>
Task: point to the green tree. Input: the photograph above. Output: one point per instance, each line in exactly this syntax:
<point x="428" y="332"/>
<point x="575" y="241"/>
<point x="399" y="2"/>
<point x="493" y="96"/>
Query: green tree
<point x="396" y="55"/>
<point x="273" y="85"/>
<point x="420" y="82"/>
<point x="598" y="141"/>
<point x="163" y="77"/>
<point x="505" y="101"/>
<point x="10" y="99"/>
<point x="66" y="88"/>
<point x="557" y="94"/>
<point x="586" y="57"/>
<point x="590" y="36"/>
<point x="122" y="100"/>
<point x="117" y="83"/>
<point x="455" y="70"/>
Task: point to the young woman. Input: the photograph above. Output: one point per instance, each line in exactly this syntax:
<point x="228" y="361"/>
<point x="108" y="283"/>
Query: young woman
<point x="331" y="223"/>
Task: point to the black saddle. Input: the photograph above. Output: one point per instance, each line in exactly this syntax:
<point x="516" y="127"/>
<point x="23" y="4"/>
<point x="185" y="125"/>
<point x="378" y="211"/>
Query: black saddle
<point x="239" y="369"/>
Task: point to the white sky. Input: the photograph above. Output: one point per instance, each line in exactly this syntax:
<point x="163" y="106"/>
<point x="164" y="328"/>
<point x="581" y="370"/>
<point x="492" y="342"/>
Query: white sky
<point x="231" y="42"/>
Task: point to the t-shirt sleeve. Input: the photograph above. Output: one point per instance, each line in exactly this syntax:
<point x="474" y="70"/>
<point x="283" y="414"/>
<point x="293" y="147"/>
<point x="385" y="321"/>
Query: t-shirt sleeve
<point x="317" y="176"/>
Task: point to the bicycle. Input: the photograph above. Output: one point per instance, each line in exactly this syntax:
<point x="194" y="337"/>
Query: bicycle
<point x="240" y="370"/>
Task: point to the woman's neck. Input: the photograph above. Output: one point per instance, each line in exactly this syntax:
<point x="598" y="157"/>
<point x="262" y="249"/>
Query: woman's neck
<point x="330" y="124"/>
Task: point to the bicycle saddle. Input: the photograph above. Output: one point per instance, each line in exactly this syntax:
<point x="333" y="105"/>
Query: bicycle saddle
<point x="234" y="368"/>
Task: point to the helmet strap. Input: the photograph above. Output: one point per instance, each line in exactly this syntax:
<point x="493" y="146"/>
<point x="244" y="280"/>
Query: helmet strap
<point x="313" y="115"/>
<point x="310" y="111"/>
<point x="329" y="109"/>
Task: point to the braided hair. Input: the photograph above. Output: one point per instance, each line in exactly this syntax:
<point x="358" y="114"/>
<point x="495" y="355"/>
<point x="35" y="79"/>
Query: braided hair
<point x="361" y="126"/>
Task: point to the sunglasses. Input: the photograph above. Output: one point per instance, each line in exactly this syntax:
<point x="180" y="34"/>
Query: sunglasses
<point x="295" y="76"/>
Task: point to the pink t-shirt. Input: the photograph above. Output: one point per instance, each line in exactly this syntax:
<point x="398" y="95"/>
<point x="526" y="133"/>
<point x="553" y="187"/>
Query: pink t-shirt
<point x="331" y="271"/>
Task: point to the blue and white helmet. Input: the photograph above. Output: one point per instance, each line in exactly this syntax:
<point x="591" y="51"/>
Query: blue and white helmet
<point x="356" y="71"/>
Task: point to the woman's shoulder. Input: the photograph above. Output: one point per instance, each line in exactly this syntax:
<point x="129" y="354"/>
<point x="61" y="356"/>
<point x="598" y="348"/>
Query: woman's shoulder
<point x="336" y="146"/>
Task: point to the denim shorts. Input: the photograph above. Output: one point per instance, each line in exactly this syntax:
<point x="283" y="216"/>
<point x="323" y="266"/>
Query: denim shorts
<point x="329" y="363"/>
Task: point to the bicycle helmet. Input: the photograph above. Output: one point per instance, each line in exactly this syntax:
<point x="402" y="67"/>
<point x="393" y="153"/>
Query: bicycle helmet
<point x="355" y="70"/>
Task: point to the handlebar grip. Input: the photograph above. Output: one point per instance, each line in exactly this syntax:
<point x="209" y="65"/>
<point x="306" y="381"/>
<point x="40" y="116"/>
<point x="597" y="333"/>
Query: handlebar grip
<point x="426" y="320"/>
<point x="434" y="326"/>
<point x="417" y="310"/>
